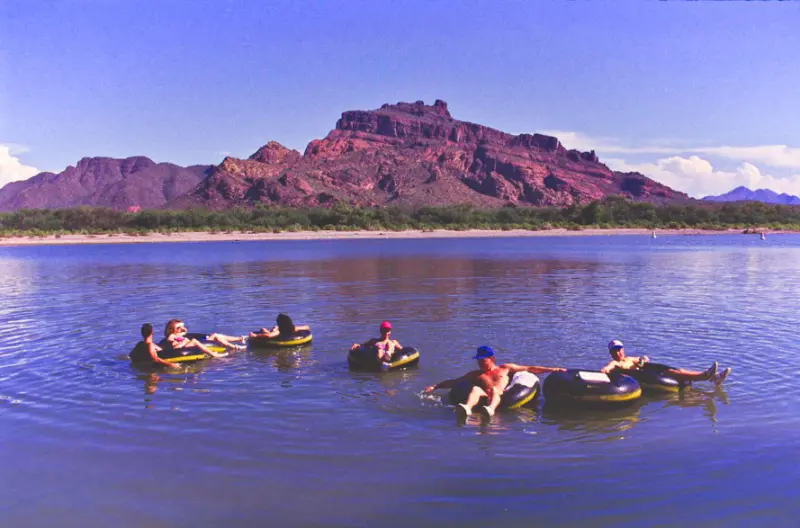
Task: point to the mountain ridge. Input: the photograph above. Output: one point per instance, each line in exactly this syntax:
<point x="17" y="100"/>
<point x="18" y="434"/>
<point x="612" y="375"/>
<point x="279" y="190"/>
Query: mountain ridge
<point x="743" y="193"/>
<point x="416" y="154"/>
<point x="120" y="183"/>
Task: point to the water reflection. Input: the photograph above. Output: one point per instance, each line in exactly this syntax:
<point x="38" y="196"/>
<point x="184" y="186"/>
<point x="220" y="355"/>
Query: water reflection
<point x="301" y="418"/>
<point x="283" y="359"/>
<point x="694" y="397"/>
<point x="592" y="424"/>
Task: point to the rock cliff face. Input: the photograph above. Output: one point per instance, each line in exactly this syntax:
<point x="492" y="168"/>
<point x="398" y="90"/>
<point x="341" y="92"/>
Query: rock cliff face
<point x="417" y="154"/>
<point x="108" y="182"/>
<point x="408" y="154"/>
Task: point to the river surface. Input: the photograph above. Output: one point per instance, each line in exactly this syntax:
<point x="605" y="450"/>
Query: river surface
<point x="292" y="438"/>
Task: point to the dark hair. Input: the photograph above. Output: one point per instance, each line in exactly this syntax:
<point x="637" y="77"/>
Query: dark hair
<point x="285" y="325"/>
<point x="147" y="330"/>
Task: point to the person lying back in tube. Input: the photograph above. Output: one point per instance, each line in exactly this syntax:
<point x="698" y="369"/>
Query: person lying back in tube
<point x="384" y="344"/>
<point x="621" y="361"/>
<point x="490" y="381"/>
<point x="284" y="328"/>
<point x="224" y="340"/>
<point x="175" y="336"/>
<point x="146" y="350"/>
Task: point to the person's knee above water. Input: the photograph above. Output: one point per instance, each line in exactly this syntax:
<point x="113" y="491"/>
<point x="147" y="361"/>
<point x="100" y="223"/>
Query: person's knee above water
<point x="147" y="351"/>
<point x="623" y="362"/>
<point x="175" y="337"/>
<point x="284" y="328"/>
<point x="384" y="344"/>
<point x="490" y="381"/>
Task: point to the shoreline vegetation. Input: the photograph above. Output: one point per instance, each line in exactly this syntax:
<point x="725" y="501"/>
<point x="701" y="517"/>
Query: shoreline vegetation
<point x="613" y="215"/>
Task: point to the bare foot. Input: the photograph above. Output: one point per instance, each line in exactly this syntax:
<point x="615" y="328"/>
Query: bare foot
<point x="710" y="372"/>
<point x="719" y="378"/>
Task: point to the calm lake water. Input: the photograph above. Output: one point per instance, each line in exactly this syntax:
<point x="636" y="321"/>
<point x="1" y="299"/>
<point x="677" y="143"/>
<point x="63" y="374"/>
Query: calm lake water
<point x="292" y="438"/>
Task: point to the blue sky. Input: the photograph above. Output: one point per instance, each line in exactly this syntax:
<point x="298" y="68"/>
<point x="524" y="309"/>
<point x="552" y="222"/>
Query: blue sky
<point x="703" y="96"/>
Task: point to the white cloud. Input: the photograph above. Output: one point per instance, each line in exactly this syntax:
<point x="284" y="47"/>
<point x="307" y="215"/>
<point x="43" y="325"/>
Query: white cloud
<point x="698" y="178"/>
<point x="779" y="156"/>
<point x="688" y="168"/>
<point x="773" y="155"/>
<point x="11" y="168"/>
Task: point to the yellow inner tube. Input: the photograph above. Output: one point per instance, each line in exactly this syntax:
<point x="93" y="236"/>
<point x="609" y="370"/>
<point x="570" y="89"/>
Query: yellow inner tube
<point x="272" y="342"/>
<point x="405" y="360"/>
<point x="610" y="397"/>
<point x="660" y="388"/>
<point x="195" y="357"/>
<point x="524" y="401"/>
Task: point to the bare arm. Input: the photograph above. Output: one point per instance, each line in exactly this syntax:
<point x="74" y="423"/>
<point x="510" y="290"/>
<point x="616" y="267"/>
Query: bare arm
<point x="448" y="384"/>
<point x="302" y="328"/>
<point x="608" y="368"/>
<point x="176" y="341"/>
<point x="513" y="368"/>
<point x="153" y="350"/>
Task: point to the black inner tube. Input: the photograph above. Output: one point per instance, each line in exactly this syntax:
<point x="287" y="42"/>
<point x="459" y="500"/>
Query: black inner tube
<point x="588" y="387"/>
<point x="366" y="358"/>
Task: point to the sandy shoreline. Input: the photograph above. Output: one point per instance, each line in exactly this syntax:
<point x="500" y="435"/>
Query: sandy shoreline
<point x="203" y="236"/>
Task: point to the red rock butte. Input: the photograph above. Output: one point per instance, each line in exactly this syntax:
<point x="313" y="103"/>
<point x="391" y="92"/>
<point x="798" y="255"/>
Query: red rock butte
<point x="414" y="154"/>
<point x="408" y="154"/>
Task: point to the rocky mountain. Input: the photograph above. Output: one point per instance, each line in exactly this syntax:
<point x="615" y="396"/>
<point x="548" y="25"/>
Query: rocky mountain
<point x="417" y="154"/>
<point x="108" y="182"/>
<point x="741" y="194"/>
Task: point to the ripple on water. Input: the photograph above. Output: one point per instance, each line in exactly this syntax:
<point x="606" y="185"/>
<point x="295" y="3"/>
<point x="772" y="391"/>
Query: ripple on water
<point x="299" y="418"/>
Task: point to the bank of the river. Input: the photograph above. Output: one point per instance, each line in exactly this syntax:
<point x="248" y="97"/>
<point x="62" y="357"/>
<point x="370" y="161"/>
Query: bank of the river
<point x="233" y="236"/>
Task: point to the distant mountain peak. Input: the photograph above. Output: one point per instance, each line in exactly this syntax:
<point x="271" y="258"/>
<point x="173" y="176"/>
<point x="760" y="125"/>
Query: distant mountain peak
<point x="742" y="193"/>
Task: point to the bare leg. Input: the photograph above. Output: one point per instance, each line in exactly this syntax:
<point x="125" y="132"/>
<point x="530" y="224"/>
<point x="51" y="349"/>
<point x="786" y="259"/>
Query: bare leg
<point x="496" y="397"/>
<point x="203" y="348"/>
<point x="475" y="396"/>
<point x="691" y="375"/>
<point x="224" y="340"/>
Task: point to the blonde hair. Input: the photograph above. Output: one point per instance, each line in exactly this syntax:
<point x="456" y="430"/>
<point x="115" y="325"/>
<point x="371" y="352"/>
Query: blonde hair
<point x="171" y="326"/>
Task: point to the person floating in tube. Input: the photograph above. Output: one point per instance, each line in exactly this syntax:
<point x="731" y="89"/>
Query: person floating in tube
<point x="623" y="362"/>
<point x="175" y="337"/>
<point x="384" y="344"/>
<point x="285" y="328"/>
<point x="490" y="381"/>
<point x="146" y="350"/>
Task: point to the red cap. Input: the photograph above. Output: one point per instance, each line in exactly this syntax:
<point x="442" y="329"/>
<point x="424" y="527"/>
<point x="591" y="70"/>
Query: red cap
<point x="386" y="325"/>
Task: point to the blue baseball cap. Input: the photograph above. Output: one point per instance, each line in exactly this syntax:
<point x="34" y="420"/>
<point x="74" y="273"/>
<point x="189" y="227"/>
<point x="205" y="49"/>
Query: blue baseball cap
<point x="484" y="352"/>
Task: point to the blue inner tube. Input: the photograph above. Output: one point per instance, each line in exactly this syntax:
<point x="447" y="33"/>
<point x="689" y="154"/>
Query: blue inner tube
<point x="652" y="379"/>
<point x="582" y="387"/>
<point x="366" y="358"/>
<point x="298" y="338"/>
<point x="521" y="390"/>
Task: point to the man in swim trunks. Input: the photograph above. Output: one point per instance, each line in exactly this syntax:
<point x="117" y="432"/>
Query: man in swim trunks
<point x="384" y="344"/>
<point x="490" y="381"/>
<point x="623" y="362"/>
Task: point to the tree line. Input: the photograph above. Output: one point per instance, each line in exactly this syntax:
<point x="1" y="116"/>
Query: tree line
<point x="608" y="213"/>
